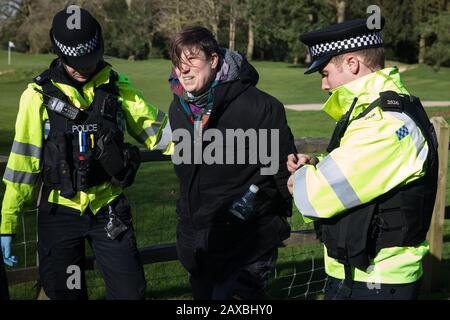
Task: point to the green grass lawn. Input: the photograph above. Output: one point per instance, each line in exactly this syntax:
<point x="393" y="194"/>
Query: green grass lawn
<point x="154" y="194"/>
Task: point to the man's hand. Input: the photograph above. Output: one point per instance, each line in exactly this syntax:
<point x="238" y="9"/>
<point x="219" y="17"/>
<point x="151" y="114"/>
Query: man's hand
<point x="297" y="161"/>
<point x="6" y="249"/>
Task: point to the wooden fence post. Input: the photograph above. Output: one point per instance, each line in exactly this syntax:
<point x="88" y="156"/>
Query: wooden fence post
<point x="432" y="262"/>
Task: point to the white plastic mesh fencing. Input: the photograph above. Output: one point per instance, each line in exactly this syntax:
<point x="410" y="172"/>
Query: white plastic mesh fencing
<point x="299" y="273"/>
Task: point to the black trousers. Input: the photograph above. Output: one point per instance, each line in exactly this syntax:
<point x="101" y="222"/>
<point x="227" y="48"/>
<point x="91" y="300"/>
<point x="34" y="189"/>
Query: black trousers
<point x="336" y="290"/>
<point x="4" y="292"/>
<point x="247" y="282"/>
<point x="61" y="245"/>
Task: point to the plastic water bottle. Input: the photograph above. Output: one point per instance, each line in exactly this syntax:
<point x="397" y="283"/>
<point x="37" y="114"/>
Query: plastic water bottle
<point x="243" y="207"/>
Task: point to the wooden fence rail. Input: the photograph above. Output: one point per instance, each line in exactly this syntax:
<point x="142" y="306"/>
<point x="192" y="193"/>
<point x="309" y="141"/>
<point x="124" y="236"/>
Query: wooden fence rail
<point x="153" y="254"/>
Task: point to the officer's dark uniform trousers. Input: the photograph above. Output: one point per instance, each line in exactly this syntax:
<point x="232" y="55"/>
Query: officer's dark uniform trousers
<point x="61" y="245"/>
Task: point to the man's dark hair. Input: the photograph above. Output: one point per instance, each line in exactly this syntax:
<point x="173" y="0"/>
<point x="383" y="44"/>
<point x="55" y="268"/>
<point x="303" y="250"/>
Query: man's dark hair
<point x="192" y="38"/>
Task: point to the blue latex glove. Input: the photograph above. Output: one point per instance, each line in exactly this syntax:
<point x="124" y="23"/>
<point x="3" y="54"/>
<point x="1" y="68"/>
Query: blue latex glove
<point x="6" y="249"/>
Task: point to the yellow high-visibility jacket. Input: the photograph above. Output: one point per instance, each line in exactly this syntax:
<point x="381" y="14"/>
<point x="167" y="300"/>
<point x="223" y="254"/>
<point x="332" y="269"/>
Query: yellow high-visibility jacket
<point x="375" y="156"/>
<point x="144" y="122"/>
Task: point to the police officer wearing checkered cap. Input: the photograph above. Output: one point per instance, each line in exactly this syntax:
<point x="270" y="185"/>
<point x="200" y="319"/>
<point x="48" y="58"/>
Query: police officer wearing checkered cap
<point x="77" y="40"/>
<point x="70" y="134"/>
<point x="371" y="198"/>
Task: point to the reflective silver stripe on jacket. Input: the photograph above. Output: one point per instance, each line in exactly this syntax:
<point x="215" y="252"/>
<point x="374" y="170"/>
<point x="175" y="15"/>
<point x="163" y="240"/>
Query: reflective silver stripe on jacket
<point x="153" y="129"/>
<point x="338" y="182"/>
<point x="20" y="176"/>
<point x="166" y="137"/>
<point x="301" y="194"/>
<point x="26" y="149"/>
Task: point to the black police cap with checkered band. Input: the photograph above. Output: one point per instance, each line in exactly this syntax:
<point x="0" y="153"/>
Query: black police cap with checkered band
<point x="77" y="47"/>
<point x="348" y="36"/>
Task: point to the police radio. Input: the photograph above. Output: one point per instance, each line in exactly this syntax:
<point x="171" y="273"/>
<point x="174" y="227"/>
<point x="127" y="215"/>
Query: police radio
<point x="59" y="106"/>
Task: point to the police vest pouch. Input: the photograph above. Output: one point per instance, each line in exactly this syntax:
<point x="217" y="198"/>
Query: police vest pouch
<point x="66" y="187"/>
<point x="110" y="154"/>
<point x="51" y="173"/>
<point x="346" y="236"/>
<point x="109" y="106"/>
<point x="83" y="172"/>
<point x="57" y="174"/>
<point x="132" y="160"/>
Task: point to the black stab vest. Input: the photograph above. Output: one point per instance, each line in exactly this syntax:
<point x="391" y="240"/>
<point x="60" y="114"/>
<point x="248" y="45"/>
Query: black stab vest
<point x="70" y="152"/>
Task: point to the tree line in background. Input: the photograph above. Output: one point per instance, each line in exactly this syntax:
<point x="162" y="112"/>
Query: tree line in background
<point x="415" y="30"/>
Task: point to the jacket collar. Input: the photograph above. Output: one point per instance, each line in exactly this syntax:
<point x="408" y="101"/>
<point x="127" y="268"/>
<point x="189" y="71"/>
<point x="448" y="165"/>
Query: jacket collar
<point x="84" y="96"/>
<point x="366" y="89"/>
